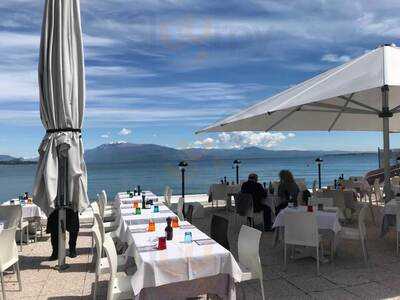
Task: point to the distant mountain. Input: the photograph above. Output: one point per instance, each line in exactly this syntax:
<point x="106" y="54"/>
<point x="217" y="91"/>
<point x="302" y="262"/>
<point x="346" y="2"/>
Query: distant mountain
<point x="6" y="157"/>
<point x="127" y="152"/>
<point x="10" y="160"/>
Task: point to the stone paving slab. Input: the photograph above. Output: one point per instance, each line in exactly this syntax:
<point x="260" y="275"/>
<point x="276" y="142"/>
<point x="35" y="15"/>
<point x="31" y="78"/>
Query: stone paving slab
<point x="346" y="277"/>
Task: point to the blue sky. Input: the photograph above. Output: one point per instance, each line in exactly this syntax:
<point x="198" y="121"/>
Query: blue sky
<point x="159" y="70"/>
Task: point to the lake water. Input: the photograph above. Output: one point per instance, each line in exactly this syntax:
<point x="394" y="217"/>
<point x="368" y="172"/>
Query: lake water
<point x="15" y="180"/>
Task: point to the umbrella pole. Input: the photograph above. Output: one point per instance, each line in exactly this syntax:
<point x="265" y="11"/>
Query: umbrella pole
<point x="62" y="197"/>
<point x="385" y="115"/>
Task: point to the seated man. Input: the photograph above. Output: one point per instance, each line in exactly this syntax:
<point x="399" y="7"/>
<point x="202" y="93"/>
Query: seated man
<point x="251" y="186"/>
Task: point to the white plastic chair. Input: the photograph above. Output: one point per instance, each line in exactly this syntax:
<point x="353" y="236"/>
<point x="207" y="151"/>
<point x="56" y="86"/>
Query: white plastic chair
<point x="377" y="191"/>
<point x="219" y="192"/>
<point x="12" y="214"/>
<point x="179" y="209"/>
<point x="167" y="196"/>
<point x="359" y="233"/>
<point x="249" y="256"/>
<point x="101" y="264"/>
<point x="107" y="212"/>
<point x="326" y="202"/>
<point x="119" y="286"/>
<point x="301" y="229"/>
<point x="8" y="255"/>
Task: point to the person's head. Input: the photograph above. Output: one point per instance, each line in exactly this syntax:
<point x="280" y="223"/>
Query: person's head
<point x="286" y="176"/>
<point x="253" y="177"/>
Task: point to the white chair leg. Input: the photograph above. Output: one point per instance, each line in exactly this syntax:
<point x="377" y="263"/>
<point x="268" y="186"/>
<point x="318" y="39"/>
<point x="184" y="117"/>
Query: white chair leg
<point x="262" y="289"/>
<point x="18" y="276"/>
<point x="364" y="251"/>
<point x="284" y="255"/>
<point x="20" y="237"/>
<point x="2" y="285"/>
<point x="317" y="260"/>
<point x="96" y="280"/>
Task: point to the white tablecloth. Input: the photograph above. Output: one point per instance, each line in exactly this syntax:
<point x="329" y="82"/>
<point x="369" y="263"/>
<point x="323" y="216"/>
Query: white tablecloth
<point x="28" y="210"/>
<point x="325" y="220"/>
<point x="124" y="198"/>
<point x="180" y="262"/>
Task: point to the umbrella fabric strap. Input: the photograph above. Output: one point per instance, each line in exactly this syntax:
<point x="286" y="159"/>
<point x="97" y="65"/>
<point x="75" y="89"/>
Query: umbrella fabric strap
<point x="63" y="130"/>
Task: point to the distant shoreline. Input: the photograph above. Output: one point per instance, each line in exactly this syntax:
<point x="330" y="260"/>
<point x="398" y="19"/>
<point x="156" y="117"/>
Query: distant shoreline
<point x="15" y="162"/>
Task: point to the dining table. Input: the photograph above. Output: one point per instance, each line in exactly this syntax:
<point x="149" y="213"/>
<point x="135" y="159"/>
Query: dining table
<point x="184" y="268"/>
<point x="29" y="210"/>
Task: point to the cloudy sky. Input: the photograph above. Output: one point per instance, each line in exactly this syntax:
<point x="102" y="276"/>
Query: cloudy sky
<point x="158" y="70"/>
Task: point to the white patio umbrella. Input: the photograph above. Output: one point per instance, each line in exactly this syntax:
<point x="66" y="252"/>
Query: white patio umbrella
<point x="360" y="95"/>
<point x="61" y="170"/>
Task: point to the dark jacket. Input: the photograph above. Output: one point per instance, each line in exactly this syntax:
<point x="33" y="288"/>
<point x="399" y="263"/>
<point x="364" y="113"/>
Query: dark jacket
<point x="257" y="191"/>
<point x="285" y="191"/>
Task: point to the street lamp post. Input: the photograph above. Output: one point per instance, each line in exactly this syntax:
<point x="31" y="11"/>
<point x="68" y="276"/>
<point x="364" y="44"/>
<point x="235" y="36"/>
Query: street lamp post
<point x="237" y="162"/>
<point x="319" y="163"/>
<point x="182" y="166"/>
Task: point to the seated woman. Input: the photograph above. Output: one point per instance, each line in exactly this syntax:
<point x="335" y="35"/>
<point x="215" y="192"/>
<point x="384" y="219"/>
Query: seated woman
<point x="287" y="190"/>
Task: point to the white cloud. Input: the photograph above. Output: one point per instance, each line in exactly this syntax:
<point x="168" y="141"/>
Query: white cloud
<point x="125" y="131"/>
<point x="335" y="58"/>
<point x="105" y="136"/>
<point x="239" y="140"/>
<point x="207" y="143"/>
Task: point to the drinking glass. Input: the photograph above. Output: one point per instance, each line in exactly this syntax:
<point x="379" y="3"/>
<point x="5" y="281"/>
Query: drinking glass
<point x="310" y="208"/>
<point x="135" y="205"/>
<point x="162" y="243"/>
<point x="175" y="222"/>
<point x="156" y="209"/>
<point x="138" y="211"/>
<point x="152" y="226"/>
<point x="188" y="237"/>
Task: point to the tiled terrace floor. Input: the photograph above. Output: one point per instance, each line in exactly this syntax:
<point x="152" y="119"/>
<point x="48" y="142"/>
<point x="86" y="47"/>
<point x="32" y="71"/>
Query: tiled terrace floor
<point x="346" y="278"/>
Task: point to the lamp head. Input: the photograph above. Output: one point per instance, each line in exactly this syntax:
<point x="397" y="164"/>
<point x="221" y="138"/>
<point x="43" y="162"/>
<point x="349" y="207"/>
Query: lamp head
<point x="182" y="165"/>
<point x="319" y="160"/>
<point x="237" y="162"/>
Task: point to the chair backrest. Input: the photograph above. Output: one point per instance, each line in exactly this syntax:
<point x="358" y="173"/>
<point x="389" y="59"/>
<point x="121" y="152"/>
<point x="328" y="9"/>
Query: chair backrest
<point x="361" y="221"/>
<point x="248" y="249"/>
<point x="328" y="202"/>
<point x="104" y="196"/>
<point x="100" y="224"/>
<point x="98" y="243"/>
<point x="111" y="254"/>
<point x="167" y="195"/>
<point x="11" y="214"/>
<point x="377" y="190"/>
<point x="95" y="207"/>
<point x="219" y="231"/>
<point x="244" y="204"/>
<point x="8" y="249"/>
<point x="102" y="202"/>
<point x="180" y="208"/>
<point x="189" y="213"/>
<point x="301" y="228"/>
<point x="219" y="191"/>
